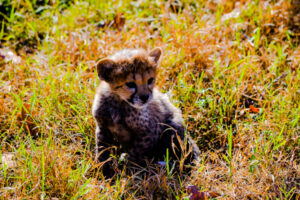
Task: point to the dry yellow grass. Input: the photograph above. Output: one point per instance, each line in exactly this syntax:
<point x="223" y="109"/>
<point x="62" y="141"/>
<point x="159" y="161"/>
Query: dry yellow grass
<point x="220" y="59"/>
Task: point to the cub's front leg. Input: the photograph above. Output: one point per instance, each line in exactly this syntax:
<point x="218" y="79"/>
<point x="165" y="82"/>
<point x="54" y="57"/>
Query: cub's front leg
<point x="141" y="149"/>
<point x="104" y="148"/>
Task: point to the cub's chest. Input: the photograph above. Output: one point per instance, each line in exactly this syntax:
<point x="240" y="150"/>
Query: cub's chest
<point x="120" y="133"/>
<point x="141" y="120"/>
<point x="133" y="123"/>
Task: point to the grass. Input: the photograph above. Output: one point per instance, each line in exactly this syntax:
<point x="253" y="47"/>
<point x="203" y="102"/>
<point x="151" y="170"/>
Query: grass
<point x="231" y="67"/>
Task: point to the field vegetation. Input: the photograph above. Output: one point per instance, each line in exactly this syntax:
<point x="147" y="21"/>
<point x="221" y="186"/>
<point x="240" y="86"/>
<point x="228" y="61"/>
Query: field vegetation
<point x="232" y="67"/>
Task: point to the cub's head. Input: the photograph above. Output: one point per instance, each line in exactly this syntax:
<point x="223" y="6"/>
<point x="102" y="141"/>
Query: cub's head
<point x="131" y="74"/>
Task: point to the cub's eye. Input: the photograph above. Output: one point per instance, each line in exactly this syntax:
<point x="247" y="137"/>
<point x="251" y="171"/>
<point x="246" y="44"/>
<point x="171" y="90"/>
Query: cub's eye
<point x="150" y="81"/>
<point x="131" y="85"/>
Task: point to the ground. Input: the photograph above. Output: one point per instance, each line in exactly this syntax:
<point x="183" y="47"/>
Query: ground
<point x="231" y="67"/>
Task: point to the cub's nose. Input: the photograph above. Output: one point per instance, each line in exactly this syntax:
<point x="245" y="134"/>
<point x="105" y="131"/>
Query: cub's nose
<point x="144" y="98"/>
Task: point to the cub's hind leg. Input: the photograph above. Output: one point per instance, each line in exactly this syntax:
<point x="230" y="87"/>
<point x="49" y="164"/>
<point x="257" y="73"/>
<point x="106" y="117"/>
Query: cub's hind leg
<point x="171" y="139"/>
<point x="178" y="145"/>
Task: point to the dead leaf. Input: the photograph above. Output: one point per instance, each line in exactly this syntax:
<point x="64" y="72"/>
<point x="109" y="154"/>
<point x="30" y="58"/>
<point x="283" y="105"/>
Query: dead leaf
<point x="7" y="159"/>
<point x="253" y="109"/>
<point x="119" y="21"/>
<point x="8" y="55"/>
<point x="2" y="105"/>
<point x="26" y="117"/>
<point x="197" y="195"/>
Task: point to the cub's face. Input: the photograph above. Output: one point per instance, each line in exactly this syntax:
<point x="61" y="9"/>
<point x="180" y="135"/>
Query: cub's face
<point x="137" y="88"/>
<point x="131" y="75"/>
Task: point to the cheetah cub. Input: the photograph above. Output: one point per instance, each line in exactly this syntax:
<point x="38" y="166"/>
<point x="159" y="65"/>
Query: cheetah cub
<point x="133" y="115"/>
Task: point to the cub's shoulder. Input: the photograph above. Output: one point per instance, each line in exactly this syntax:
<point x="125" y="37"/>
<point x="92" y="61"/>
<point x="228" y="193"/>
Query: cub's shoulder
<point x="163" y="104"/>
<point x="102" y="101"/>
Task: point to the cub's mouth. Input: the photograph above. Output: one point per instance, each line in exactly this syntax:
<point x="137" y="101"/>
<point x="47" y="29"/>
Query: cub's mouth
<point x="140" y="102"/>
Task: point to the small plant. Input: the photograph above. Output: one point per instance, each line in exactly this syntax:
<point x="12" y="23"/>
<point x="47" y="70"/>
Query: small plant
<point x="228" y="158"/>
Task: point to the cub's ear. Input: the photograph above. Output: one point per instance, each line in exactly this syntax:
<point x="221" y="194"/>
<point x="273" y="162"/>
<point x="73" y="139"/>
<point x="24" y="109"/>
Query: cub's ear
<point x="105" y="68"/>
<point x="155" y="54"/>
